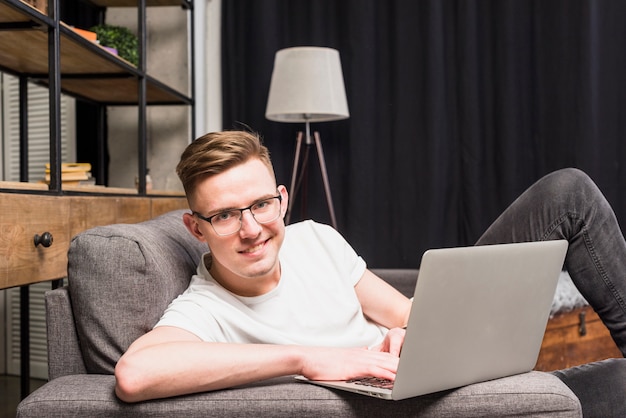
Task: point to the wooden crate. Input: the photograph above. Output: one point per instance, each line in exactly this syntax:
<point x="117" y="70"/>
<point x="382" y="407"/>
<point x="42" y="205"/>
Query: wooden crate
<point x="574" y="338"/>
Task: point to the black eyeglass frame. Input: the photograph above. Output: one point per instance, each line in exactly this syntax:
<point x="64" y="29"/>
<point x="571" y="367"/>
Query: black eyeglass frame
<point x="210" y="218"/>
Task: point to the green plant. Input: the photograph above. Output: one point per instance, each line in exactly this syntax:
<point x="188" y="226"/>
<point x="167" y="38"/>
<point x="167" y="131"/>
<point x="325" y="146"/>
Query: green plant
<point x="119" y="38"/>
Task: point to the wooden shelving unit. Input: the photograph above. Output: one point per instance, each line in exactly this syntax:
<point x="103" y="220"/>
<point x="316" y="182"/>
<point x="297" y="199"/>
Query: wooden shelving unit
<point x="32" y="44"/>
<point x="88" y="71"/>
<point x="38" y="47"/>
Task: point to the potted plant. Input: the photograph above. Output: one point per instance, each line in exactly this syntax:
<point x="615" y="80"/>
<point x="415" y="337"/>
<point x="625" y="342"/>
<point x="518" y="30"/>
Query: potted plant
<point x="120" y="39"/>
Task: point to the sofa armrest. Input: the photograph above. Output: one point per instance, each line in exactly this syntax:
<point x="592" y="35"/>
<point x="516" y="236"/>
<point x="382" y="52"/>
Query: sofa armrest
<point x="529" y="394"/>
<point x="64" y="355"/>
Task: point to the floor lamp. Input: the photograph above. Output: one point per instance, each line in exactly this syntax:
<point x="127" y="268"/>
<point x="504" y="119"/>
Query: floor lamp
<point x="307" y="86"/>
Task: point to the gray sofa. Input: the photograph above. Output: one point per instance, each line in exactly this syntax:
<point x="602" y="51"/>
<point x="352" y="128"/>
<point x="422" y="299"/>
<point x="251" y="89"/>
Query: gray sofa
<point x="121" y="278"/>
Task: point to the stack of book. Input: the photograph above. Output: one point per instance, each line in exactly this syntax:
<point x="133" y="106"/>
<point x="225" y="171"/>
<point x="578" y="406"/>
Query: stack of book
<point x="87" y="34"/>
<point x="72" y="174"/>
<point x="93" y="37"/>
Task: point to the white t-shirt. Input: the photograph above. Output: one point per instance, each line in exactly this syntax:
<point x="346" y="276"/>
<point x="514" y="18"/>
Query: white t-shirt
<point x="313" y="304"/>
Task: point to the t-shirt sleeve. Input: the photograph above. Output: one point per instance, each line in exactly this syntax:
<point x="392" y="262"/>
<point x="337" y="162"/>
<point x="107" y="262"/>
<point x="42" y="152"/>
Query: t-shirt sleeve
<point x="186" y="312"/>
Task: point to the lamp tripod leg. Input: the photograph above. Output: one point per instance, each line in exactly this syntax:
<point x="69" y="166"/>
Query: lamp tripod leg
<point x="329" y="199"/>
<point x="294" y="175"/>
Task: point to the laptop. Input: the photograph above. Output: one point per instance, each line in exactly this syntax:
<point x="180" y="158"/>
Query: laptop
<point x="479" y="313"/>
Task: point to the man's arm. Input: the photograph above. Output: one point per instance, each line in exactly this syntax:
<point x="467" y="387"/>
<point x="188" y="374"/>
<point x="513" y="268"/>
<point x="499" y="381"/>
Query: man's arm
<point x="381" y="302"/>
<point x="169" y="361"/>
<point x="385" y="305"/>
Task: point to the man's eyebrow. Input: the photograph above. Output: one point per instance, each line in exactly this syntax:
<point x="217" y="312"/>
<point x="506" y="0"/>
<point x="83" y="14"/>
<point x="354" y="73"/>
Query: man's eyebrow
<point x="229" y="208"/>
<point x="222" y="210"/>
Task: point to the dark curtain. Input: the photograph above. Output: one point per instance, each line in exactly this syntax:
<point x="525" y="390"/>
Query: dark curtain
<point x="455" y="108"/>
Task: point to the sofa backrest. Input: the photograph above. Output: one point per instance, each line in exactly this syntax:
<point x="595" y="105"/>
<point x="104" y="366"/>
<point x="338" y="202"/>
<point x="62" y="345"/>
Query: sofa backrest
<point x="122" y="277"/>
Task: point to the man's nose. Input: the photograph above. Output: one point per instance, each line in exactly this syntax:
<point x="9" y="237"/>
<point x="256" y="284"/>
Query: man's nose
<point x="249" y="225"/>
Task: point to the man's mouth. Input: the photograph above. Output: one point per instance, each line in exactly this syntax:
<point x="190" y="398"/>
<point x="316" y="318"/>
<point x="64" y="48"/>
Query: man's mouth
<point x="254" y="249"/>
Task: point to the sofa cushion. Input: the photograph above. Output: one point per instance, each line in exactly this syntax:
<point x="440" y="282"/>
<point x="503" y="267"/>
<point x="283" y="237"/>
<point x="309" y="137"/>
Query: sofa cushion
<point x="403" y="280"/>
<point x="122" y="277"/>
<point x="529" y="394"/>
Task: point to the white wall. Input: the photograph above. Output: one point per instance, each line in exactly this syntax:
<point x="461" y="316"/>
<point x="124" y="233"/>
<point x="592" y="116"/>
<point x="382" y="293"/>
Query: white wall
<point x="169" y="126"/>
<point x="212" y="79"/>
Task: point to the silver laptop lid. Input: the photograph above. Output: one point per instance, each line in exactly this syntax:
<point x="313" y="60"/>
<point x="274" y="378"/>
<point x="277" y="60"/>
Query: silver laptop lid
<point x="479" y="313"/>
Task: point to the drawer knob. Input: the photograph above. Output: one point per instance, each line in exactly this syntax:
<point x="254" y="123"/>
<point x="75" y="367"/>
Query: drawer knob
<point x="44" y="239"/>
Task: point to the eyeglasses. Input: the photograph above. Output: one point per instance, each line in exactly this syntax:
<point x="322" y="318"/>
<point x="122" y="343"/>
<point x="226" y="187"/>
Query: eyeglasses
<point x="228" y="222"/>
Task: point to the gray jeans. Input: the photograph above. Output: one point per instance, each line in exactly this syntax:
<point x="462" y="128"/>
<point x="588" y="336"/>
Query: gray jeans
<point x="568" y="205"/>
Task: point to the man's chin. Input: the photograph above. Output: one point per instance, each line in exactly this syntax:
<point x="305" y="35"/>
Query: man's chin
<point x="260" y="270"/>
<point x="256" y="273"/>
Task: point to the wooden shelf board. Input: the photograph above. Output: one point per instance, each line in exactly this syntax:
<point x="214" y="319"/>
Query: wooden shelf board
<point x="26" y="51"/>
<point x="40" y="186"/>
<point x="117" y="91"/>
<point x="16" y="185"/>
<point x="134" y="3"/>
<point x="10" y="14"/>
<point x="99" y="189"/>
<point x="111" y="3"/>
<point x="88" y="71"/>
<point x="173" y="193"/>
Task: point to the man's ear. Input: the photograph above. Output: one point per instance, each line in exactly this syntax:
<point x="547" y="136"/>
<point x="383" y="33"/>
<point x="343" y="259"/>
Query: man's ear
<point x="285" y="200"/>
<point x="191" y="223"/>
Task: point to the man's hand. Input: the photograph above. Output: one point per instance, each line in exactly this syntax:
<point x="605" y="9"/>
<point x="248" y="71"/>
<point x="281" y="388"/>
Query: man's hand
<point x="321" y="363"/>
<point x="342" y="364"/>
<point x="392" y="343"/>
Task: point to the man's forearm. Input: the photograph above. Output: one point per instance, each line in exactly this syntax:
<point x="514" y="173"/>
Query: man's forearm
<point x="177" y="368"/>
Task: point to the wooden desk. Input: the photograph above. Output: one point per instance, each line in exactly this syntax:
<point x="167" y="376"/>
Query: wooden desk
<point x="23" y="216"/>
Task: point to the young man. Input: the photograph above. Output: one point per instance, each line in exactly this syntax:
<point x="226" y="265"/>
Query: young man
<point x="270" y="301"/>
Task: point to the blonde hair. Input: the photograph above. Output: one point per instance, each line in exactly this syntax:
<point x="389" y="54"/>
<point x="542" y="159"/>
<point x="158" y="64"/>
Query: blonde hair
<point x="217" y="152"/>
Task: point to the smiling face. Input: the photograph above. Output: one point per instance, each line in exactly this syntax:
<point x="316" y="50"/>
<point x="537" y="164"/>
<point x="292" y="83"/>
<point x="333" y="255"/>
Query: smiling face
<point x="246" y="262"/>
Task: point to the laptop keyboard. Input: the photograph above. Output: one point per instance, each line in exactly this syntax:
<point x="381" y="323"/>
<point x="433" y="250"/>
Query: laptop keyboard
<point x="373" y="382"/>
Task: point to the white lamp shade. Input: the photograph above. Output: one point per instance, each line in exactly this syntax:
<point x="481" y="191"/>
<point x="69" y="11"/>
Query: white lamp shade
<point x="307" y="85"/>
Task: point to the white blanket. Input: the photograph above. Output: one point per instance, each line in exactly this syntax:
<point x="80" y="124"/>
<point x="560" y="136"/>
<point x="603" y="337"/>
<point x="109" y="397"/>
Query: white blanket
<point x="567" y="296"/>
